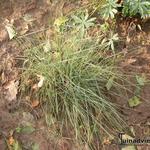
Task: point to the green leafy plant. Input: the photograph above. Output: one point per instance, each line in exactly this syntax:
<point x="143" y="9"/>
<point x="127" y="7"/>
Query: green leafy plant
<point x="82" y="22"/>
<point x="134" y="101"/>
<point x="128" y="8"/>
<point x="109" y="9"/>
<point x="131" y="8"/>
<point x="110" y="40"/>
<point x="26" y="129"/>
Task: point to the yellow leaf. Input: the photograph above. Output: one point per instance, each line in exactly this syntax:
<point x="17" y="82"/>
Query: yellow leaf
<point x="35" y="87"/>
<point x="11" y="140"/>
<point x="35" y="103"/>
<point x="60" y="21"/>
<point x="134" y="101"/>
<point x="106" y="141"/>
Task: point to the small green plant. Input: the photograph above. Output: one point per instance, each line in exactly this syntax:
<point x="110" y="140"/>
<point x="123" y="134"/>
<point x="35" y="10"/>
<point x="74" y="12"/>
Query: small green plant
<point x="60" y="24"/>
<point x="110" y="40"/>
<point x="109" y="9"/>
<point x="128" y="8"/>
<point x="16" y="146"/>
<point x="131" y="8"/>
<point x="82" y="22"/>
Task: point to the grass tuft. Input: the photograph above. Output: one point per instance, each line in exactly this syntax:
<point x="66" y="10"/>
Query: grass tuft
<point x="78" y="77"/>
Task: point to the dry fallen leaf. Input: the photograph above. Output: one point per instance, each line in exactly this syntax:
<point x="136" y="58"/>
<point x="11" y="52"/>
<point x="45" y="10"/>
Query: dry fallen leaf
<point x="129" y="62"/>
<point x="11" y="140"/>
<point x="128" y="39"/>
<point x="25" y="29"/>
<point x="3" y="78"/>
<point x="106" y="141"/>
<point x="35" y="103"/>
<point x="35" y="87"/>
<point x="29" y="18"/>
<point x="40" y="84"/>
<point x="11" y="32"/>
<point x="11" y="90"/>
<point x="27" y="98"/>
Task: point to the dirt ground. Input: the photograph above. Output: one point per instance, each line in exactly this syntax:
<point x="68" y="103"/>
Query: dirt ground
<point x="135" y="45"/>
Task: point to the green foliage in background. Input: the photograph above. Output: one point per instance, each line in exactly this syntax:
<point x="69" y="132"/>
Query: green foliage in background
<point x="133" y="7"/>
<point x="129" y="8"/>
<point x="82" y="22"/>
<point x="109" y="9"/>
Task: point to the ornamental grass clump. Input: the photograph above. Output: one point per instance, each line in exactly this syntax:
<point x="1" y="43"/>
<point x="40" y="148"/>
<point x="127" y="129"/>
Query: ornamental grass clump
<point x="73" y="78"/>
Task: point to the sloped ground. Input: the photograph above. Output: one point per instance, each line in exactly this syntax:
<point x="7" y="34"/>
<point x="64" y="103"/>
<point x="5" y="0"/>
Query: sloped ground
<point x="15" y="112"/>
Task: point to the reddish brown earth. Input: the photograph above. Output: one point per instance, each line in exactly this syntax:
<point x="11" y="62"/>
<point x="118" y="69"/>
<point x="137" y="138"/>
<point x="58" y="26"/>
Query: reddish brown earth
<point x="135" y="45"/>
<point x="137" y="61"/>
<point x="16" y="113"/>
